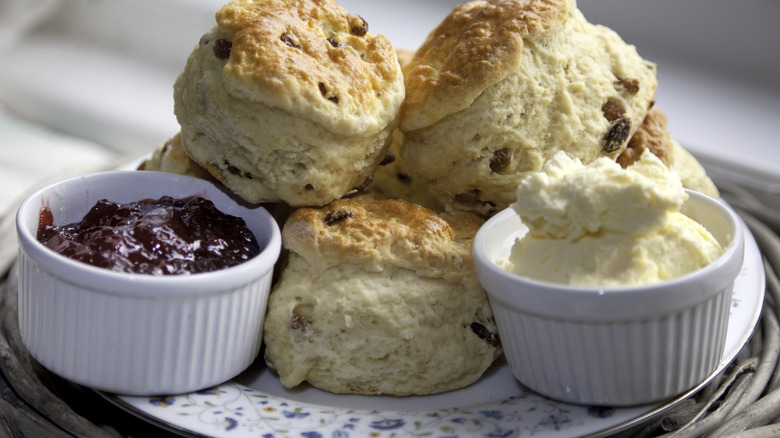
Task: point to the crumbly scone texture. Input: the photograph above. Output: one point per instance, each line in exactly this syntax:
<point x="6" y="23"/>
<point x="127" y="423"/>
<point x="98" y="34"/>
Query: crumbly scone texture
<point x="379" y="297"/>
<point x="169" y="156"/>
<point x="392" y="179"/>
<point x="552" y="81"/>
<point x="289" y="100"/>
<point x="653" y="135"/>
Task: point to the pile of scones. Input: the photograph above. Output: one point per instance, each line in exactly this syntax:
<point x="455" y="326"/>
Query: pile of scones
<point x="381" y="163"/>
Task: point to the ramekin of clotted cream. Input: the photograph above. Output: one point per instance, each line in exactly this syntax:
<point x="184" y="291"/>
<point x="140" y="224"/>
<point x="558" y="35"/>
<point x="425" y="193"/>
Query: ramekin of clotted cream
<point x="610" y="286"/>
<point x="602" y="225"/>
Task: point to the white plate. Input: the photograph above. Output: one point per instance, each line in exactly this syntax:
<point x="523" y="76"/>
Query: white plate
<point x="256" y="405"/>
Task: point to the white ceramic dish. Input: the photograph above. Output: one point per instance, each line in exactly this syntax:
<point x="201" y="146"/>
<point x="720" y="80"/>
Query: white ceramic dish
<point x="134" y="333"/>
<point x="617" y="346"/>
<point x="255" y="403"/>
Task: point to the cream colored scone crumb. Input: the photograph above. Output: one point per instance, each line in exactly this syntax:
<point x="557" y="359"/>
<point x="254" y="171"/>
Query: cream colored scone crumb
<point x="601" y="225"/>
<point x="291" y="101"/>
<point x="379" y="297"/>
<point x="392" y="179"/>
<point x="170" y="157"/>
<point x="500" y="86"/>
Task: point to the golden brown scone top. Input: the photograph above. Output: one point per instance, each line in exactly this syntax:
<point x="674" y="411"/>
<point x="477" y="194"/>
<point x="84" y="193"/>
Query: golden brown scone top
<point x="377" y="233"/>
<point x="312" y="58"/>
<point x="475" y="46"/>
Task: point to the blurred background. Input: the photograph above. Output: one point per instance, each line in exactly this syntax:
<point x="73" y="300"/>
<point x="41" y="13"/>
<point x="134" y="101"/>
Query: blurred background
<point x="83" y="82"/>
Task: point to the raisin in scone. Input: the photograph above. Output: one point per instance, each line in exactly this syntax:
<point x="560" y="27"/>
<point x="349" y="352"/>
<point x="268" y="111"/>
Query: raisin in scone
<point x="500" y="86"/>
<point x="291" y="101"/>
<point x="379" y="297"/>
<point x="653" y="135"/>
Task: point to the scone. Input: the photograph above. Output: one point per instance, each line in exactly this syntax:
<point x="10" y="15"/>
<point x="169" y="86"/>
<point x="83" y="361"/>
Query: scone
<point x="291" y="101"/>
<point x="500" y="86"/>
<point x="653" y="135"/>
<point x="379" y="297"/>
<point x="392" y="179"/>
<point x="170" y="157"/>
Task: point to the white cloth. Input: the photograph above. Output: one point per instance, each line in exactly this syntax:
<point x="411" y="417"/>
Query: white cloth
<point x="31" y="154"/>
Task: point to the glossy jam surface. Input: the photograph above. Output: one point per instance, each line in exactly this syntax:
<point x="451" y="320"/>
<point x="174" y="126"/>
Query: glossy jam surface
<point x="163" y="236"/>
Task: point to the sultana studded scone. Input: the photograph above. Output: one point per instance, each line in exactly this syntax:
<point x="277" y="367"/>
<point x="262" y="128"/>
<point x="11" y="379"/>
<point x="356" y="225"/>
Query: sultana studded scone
<point x="500" y="86"/>
<point x="287" y="100"/>
<point x="653" y="135"/>
<point x="392" y="179"/>
<point x="379" y="297"/>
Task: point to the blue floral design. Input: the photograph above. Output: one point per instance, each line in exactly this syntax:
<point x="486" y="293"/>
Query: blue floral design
<point x="230" y="423"/>
<point x="298" y="413"/>
<point x="601" y="412"/>
<point x="388" y="424"/>
<point x="501" y="433"/>
<point x="492" y="413"/>
<point x="162" y="401"/>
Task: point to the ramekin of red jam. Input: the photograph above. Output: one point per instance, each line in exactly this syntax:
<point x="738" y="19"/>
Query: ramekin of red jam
<point x="105" y="319"/>
<point x="162" y="236"/>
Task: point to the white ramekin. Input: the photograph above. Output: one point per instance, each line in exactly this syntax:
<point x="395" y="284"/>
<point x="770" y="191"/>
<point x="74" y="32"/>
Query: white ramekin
<point x="132" y="333"/>
<point x="615" y="346"/>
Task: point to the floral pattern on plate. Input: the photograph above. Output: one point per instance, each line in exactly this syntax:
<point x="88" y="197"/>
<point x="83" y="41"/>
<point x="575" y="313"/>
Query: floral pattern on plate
<point x="236" y="410"/>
